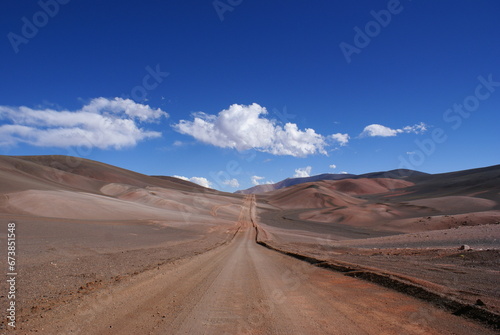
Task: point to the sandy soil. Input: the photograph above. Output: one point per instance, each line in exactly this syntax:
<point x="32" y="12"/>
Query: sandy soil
<point x="81" y="227"/>
<point x="398" y="233"/>
<point x="243" y="288"/>
<point x="431" y="256"/>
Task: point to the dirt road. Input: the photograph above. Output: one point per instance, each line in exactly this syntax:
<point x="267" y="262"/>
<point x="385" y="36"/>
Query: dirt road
<point x="244" y="288"/>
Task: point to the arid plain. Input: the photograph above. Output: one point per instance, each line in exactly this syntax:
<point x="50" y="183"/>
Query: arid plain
<point x="103" y="250"/>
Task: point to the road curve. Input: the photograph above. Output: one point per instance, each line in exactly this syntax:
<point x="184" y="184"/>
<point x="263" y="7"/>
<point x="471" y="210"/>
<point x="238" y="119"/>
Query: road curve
<point x="244" y="288"/>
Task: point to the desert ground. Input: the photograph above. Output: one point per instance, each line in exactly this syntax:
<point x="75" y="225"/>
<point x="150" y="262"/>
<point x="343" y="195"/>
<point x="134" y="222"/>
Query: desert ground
<point x="102" y="250"/>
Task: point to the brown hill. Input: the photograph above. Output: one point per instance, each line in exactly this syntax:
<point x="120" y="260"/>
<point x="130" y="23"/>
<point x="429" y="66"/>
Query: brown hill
<point x="425" y="203"/>
<point x="368" y="186"/>
<point x="310" y="195"/>
<point x="75" y="188"/>
<point x="403" y="174"/>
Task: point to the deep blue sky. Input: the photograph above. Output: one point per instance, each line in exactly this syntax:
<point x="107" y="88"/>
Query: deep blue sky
<point x="284" y="56"/>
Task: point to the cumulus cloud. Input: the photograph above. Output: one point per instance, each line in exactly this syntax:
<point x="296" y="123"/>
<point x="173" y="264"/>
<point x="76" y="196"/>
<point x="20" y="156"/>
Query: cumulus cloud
<point x="197" y="180"/>
<point x="343" y="172"/>
<point x="373" y="130"/>
<point x="231" y="183"/>
<point x="255" y="180"/>
<point x="342" y="139"/>
<point x="333" y="166"/>
<point x="303" y="172"/>
<point x="102" y="123"/>
<point x="244" y="127"/>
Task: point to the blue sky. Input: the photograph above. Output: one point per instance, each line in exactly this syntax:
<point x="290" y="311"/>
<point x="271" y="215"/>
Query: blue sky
<point x="235" y="92"/>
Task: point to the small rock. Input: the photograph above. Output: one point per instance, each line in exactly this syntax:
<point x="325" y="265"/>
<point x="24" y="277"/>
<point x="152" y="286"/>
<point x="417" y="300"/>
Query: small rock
<point x="464" y="247"/>
<point x="479" y="302"/>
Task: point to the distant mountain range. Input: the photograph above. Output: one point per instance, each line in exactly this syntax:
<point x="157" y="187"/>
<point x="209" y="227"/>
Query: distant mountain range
<point x="405" y="174"/>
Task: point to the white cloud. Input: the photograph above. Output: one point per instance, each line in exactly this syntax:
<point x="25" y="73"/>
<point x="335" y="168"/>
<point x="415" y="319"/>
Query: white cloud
<point x="255" y="180"/>
<point x="232" y="182"/>
<point x="378" y="130"/>
<point x="129" y="107"/>
<point x="373" y="130"/>
<point x="201" y="181"/>
<point x="103" y="123"/>
<point x="244" y="127"/>
<point x="418" y="128"/>
<point x="303" y="172"/>
<point x="343" y="172"/>
<point x="342" y="139"/>
<point x="197" y="180"/>
<point x="333" y="166"/>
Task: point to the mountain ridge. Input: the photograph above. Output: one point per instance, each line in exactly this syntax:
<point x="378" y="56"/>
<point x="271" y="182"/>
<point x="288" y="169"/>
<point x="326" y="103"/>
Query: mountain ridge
<point x="393" y="174"/>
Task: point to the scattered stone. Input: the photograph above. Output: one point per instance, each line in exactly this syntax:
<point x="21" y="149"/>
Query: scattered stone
<point x="465" y="247"/>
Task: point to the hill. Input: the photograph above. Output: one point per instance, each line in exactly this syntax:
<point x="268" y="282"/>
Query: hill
<point x="393" y="174"/>
<point x="75" y="188"/>
<point x="446" y="200"/>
